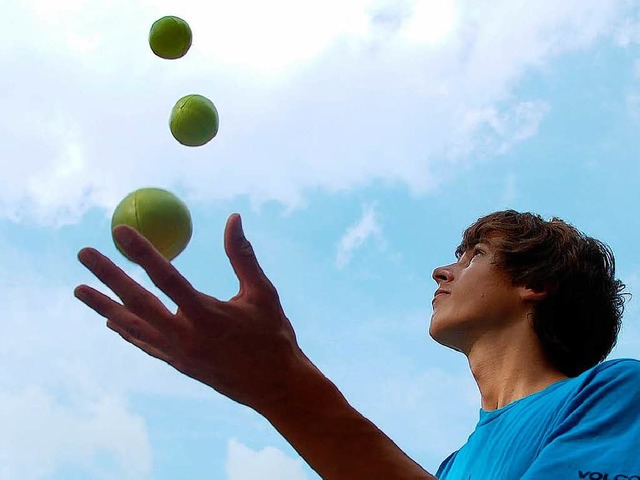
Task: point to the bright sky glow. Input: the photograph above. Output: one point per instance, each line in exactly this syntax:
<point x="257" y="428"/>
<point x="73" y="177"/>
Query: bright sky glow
<point x="432" y="21"/>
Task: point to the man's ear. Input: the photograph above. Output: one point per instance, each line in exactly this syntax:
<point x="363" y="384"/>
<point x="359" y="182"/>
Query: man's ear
<point x="535" y="293"/>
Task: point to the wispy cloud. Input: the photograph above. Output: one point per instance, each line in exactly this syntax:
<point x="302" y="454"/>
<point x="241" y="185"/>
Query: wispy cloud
<point x="629" y="31"/>
<point x="491" y="130"/>
<point x="356" y="236"/>
<point x="510" y="191"/>
<point x="269" y="463"/>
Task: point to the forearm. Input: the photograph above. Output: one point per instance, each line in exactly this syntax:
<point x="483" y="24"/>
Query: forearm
<point x="333" y="438"/>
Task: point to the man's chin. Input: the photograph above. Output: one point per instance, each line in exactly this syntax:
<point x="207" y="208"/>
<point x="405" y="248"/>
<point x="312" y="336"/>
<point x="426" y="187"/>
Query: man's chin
<point x="444" y="337"/>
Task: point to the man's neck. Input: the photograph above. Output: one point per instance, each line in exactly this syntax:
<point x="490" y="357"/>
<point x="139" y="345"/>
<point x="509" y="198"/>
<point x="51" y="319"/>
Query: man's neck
<point x="508" y="369"/>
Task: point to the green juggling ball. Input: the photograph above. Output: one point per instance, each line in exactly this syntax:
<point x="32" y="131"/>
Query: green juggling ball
<point x="160" y="216"/>
<point x="194" y="120"/>
<point x="170" y="37"/>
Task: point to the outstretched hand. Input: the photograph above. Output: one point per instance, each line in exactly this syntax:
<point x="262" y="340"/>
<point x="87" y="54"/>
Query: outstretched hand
<point x="244" y="347"/>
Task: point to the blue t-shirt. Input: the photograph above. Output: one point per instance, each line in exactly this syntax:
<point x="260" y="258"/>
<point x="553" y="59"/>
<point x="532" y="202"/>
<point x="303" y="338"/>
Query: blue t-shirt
<point x="586" y="427"/>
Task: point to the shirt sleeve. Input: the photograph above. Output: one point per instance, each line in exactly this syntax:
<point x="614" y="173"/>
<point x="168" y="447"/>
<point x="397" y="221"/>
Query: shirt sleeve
<point x="444" y="466"/>
<point x="597" y="434"/>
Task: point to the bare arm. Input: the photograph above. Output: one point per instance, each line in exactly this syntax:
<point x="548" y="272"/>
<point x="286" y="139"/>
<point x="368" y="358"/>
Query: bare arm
<point x="335" y="439"/>
<point x="246" y="349"/>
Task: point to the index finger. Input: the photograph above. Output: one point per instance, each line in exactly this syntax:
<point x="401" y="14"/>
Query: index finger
<point x="161" y="272"/>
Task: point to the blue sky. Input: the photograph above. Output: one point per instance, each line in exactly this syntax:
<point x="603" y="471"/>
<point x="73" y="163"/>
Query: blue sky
<point x="358" y="138"/>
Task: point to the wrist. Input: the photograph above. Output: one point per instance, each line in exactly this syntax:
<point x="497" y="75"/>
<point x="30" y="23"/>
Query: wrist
<point x="303" y="390"/>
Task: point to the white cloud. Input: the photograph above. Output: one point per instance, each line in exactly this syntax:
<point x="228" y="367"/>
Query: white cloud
<point x="41" y="434"/>
<point x="267" y="464"/>
<point x="274" y="36"/>
<point x="431" y="22"/>
<point x="490" y="130"/>
<point x="356" y="236"/>
<point x="629" y="32"/>
<point x="510" y="191"/>
<point x="337" y="98"/>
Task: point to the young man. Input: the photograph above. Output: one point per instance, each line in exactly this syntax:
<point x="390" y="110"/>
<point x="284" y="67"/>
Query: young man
<point x="534" y="306"/>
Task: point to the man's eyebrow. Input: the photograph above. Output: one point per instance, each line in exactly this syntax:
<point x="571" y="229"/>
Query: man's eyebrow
<point x="479" y="242"/>
<point x="466" y="246"/>
<point x="460" y="251"/>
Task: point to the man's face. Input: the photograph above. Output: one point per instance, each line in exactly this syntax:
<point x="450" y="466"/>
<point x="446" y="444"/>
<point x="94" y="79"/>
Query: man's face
<point x="475" y="298"/>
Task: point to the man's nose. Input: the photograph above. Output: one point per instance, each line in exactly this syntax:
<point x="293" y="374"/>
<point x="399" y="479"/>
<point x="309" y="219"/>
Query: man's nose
<point x="442" y="274"/>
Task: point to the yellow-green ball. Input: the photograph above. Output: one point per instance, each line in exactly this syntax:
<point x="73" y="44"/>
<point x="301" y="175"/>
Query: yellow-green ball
<point x="194" y="120"/>
<point x="160" y="216"/>
<point x="170" y="37"/>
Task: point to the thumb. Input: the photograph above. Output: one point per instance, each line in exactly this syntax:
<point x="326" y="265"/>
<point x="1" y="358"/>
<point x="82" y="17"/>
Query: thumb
<point x="241" y="255"/>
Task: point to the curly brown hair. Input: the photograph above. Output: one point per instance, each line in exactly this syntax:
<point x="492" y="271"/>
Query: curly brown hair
<point x="579" y="320"/>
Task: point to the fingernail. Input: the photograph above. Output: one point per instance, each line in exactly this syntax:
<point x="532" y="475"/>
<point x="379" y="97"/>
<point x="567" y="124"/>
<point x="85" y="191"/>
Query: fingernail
<point x="79" y="294"/>
<point x="239" y="231"/>
<point x="88" y="258"/>
<point x="240" y="225"/>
